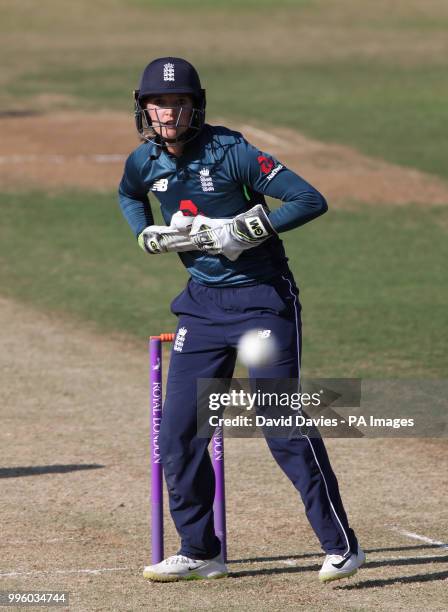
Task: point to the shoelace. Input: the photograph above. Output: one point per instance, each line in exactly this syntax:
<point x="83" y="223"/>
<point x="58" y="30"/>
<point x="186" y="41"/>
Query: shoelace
<point x="178" y="559"/>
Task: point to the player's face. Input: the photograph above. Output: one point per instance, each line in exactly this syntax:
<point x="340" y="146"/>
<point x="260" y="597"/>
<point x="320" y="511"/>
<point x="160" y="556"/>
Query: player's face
<point x="170" y="114"/>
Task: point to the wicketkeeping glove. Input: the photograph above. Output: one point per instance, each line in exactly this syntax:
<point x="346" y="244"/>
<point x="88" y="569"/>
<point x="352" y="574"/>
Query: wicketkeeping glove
<point x="156" y="239"/>
<point x="230" y="237"/>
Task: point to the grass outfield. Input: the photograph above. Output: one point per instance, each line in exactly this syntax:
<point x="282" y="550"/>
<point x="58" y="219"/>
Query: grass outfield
<point x="372" y="280"/>
<point x="368" y="75"/>
<point x="74" y="399"/>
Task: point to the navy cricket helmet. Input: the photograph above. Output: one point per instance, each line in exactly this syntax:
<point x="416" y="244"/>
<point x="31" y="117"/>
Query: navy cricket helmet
<point x="169" y="75"/>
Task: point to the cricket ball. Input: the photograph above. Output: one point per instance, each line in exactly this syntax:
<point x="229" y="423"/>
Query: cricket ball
<point x="257" y="348"/>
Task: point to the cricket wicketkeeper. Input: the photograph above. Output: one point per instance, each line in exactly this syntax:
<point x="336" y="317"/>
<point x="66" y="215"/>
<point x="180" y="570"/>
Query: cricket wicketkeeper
<point x="211" y="184"/>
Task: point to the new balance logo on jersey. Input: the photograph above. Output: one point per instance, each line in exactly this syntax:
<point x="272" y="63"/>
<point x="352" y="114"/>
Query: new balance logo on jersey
<point x="168" y="72"/>
<point x="206" y="180"/>
<point x="180" y="339"/>
<point x="255" y="227"/>
<point x="160" y="185"/>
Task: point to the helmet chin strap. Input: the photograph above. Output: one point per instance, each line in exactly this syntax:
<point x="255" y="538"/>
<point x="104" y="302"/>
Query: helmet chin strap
<point x="149" y="132"/>
<point x="184" y="138"/>
<point x="189" y="132"/>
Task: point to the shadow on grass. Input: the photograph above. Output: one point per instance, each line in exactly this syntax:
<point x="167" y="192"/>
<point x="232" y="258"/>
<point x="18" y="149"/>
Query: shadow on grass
<point x="320" y="553"/>
<point x="381" y="582"/>
<point x="19" y="113"/>
<point x="405" y="561"/>
<point x="297" y="569"/>
<point x="368" y="565"/>
<point x="38" y="470"/>
<point x="279" y="558"/>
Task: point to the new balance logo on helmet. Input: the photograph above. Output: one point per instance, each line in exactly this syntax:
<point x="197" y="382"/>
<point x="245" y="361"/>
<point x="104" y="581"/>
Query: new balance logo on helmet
<point x="168" y="72"/>
<point x="255" y="227"/>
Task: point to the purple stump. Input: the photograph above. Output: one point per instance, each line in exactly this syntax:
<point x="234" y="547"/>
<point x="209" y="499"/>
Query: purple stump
<point x="219" y="506"/>
<point x="155" y="382"/>
<point x="156" y="404"/>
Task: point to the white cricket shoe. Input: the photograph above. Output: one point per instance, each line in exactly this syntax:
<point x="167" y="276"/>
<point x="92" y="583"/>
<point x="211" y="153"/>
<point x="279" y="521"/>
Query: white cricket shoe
<point x="338" y="566"/>
<point x="178" y="567"/>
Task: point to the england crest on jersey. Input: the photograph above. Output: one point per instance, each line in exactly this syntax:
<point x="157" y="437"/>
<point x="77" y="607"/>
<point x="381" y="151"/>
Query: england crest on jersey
<point x="206" y="180"/>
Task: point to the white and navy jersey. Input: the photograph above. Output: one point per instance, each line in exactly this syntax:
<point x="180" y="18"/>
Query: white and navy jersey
<point x="219" y="175"/>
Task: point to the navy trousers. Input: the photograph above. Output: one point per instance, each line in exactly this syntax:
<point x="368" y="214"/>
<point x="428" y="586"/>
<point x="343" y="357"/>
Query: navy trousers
<point x="211" y="321"/>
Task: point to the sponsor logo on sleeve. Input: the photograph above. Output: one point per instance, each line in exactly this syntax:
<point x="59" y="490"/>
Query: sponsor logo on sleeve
<point x="266" y="163"/>
<point x="274" y="172"/>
